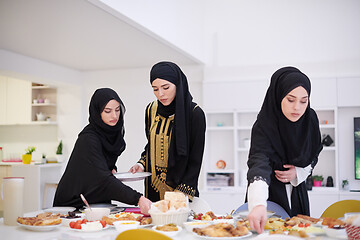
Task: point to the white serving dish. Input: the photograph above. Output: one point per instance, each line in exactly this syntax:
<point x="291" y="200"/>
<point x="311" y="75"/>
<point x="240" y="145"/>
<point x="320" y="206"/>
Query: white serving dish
<point x="335" y="233"/>
<point x="189" y="226"/>
<point x="121" y="226"/>
<point x="95" y="214"/>
<point x="168" y="233"/>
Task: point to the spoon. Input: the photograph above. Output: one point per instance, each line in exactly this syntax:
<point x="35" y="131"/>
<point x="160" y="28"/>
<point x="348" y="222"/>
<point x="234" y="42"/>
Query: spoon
<point x="84" y="200"/>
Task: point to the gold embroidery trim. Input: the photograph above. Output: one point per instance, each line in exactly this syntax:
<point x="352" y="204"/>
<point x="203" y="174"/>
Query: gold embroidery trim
<point x="187" y="190"/>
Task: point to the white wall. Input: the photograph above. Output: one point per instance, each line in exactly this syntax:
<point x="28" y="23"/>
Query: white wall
<point x="319" y="37"/>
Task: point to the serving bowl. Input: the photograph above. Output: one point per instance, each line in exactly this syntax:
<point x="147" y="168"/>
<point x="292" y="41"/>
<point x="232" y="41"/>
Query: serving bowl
<point x="335" y="232"/>
<point x="94" y="214"/>
<point x="121" y="226"/>
<point x="167" y="233"/>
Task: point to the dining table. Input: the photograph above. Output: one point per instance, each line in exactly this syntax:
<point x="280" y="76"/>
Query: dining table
<point x="110" y="233"/>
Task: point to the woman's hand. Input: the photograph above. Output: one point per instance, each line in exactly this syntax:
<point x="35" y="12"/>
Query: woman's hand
<point x="257" y="218"/>
<point x="136" y="168"/>
<point x="144" y="205"/>
<point x="113" y="171"/>
<point x="286" y="176"/>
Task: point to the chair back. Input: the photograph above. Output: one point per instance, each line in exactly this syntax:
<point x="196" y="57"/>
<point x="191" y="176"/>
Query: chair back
<point x="142" y="234"/>
<point x="338" y="209"/>
<point x="271" y="206"/>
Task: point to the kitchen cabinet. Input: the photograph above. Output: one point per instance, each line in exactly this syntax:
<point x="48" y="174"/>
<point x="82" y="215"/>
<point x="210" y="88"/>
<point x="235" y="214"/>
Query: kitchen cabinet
<point x="44" y="100"/>
<point x="15" y="101"/>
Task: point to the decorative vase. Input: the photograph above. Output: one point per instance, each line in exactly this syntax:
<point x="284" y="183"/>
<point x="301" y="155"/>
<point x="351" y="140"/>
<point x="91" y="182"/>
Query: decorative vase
<point x="317" y="183"/>
<point x="26" y="158"/>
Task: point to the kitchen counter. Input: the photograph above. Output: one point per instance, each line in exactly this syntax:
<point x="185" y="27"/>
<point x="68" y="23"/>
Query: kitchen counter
<point x="35" y="175"/>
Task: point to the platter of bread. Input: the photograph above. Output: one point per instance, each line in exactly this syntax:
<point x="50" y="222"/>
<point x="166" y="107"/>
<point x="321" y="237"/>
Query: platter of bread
<point x="41" y="222"/>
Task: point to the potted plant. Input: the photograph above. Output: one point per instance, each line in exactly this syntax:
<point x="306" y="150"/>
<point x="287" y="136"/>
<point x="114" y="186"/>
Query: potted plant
<point x="26" y="158"/>
<point x="59" y="151"/>
<point x="317" y="180"/>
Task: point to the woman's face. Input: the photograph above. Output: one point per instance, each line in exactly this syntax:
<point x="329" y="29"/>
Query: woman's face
<point x="294" y="104"/>
<point x="164" y="91"/>
<point x="111" y="113"/>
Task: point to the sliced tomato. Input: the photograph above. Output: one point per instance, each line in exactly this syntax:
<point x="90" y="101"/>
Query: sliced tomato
<point x="307" y="224"/>
<point x="77" y="225"/>
<point x="301" y="225"/>
<point x="103" y="223"/>
<point x="72" y="224"/>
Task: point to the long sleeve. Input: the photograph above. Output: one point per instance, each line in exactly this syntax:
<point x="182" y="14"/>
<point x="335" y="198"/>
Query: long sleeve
<point x="301" y="175"/>
<point x="257" y="194"/>
<point x="189" y="180"/>
<point x="88" y="173"/>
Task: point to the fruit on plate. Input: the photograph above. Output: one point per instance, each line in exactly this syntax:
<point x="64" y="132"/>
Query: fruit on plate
<point x="87" y="225"/>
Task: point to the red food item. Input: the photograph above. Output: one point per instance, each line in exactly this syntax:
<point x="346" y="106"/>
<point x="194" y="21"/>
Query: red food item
<point x="103" y="223"/>
<point x="307" y="224"/>
<point x="301" y="225"/>
<point x="77" y="225"/>
<point x="72" y="224"/>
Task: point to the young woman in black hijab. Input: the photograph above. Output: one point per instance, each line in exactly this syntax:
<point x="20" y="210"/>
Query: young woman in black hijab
<point x="175" y="129"/>
<point x="92" y="163"/>
<point x="285" y="145"/>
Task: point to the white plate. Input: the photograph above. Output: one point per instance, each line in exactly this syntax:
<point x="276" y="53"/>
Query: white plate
<point x="245" y="213"/>
<point x="267" y="236"/>
<point x="222" y="238"/>
<point x="86" y="231"/>
<point x="336" y="233"/>
<point x="40" y="228"/>
<point x="128" y="176"/>
<point x="61" y="210"/>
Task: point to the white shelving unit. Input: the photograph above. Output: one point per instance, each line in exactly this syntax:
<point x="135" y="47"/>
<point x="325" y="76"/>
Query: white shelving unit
<point x="227" y="139"/>
<point x="46" y="98"/>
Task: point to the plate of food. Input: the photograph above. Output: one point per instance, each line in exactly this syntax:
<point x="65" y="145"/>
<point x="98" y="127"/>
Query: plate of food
<point x="223" y="231"/>
<point x="41" y="222"/>
<point x="44" y="228"/>
<point x="61" y="210"/>
<point x="169" y="229"/>
<point x="210" y="216"/>
<point x="246" y="213"/>
<point x="88" y="226"/>
<point x="128" y="176"/>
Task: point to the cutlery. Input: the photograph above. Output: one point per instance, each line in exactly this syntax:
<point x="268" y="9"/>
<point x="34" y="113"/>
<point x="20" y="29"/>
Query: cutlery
<point x="84" y="200"/>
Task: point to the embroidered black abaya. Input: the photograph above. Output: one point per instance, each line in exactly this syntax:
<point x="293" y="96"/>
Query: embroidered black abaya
<point x="176" y="138"/>
<point x="93" y="158"/>
<point x="276" y="141"/>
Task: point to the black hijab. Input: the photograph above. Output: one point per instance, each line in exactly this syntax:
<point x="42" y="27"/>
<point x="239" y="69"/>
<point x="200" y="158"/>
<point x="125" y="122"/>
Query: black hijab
<point x="296" y="143"/>
<point x="112" y="137"/>
<point x="181" y="105"/>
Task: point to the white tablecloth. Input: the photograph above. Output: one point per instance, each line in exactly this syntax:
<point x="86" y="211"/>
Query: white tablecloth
<point x="63" y="232"/>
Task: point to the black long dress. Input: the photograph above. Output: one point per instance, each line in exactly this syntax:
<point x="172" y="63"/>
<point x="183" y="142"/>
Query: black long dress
<point x="155" y="156"/>
<point x="94" y="156"/>
<point x="176" y="138"/>
<point x="276" y="141"/>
